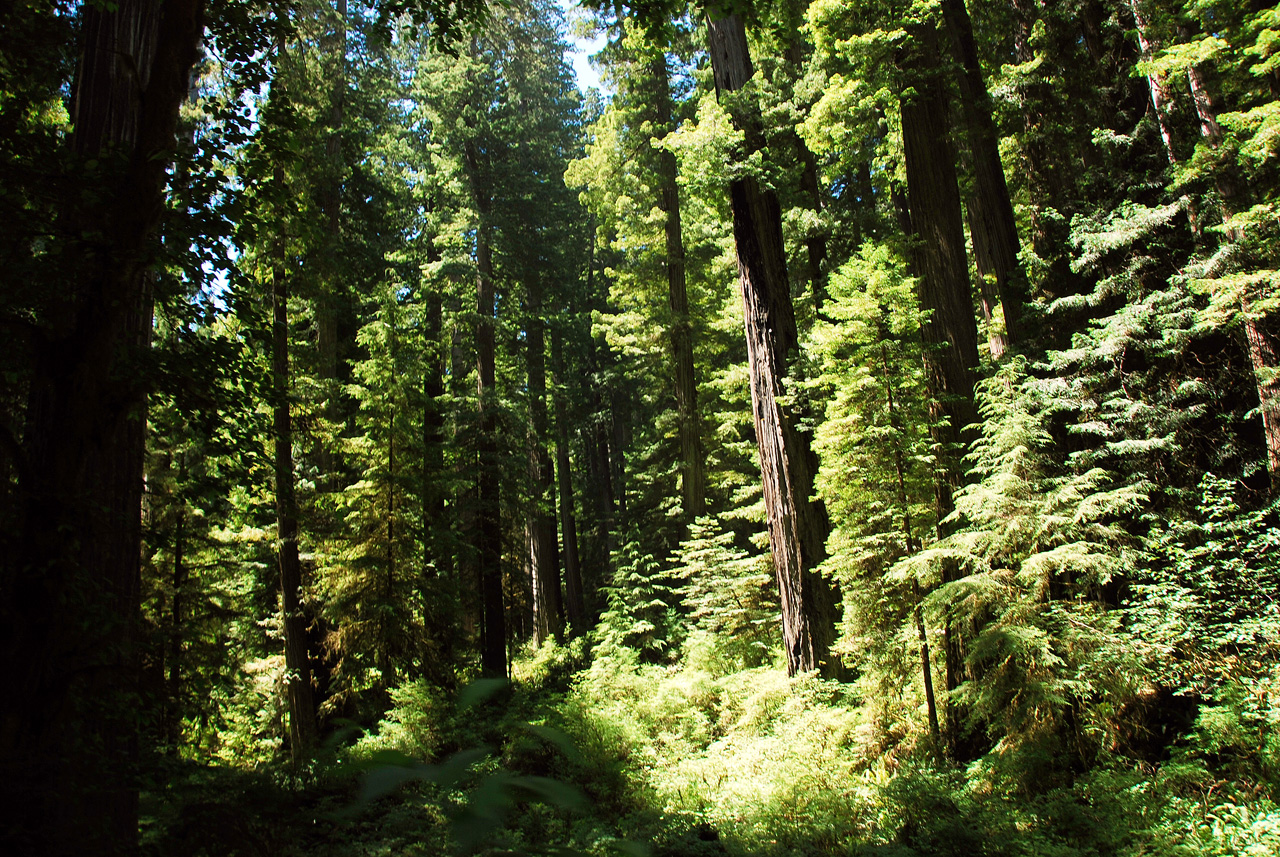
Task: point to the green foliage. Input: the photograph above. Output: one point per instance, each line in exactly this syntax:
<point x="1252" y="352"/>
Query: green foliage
<point x="640" y="620"/>
<point x="1209" y="596"/>
<point x="729" y="597"/>
<point x="1038" y="551"/>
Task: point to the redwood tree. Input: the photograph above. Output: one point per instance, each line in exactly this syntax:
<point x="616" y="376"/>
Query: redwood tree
<point x="798" y="524"/>
<point x="68" y="735"/>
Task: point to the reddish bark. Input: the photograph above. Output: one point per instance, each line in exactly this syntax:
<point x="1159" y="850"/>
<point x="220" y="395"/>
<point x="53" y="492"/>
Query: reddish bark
<point x="798" y="524"/>
<point x="68" y="735"/>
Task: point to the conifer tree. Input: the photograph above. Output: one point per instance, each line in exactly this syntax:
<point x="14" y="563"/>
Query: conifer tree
<point x="798" y="524"/>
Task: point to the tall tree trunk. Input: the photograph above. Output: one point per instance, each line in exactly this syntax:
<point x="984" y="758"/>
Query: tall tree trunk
<point x="331" y="275"/>
<point x="911" y="543"/>
<point x="302" y="713"/>
<point x="437" y="583"/>
<point x="575" y="603"/>
<point x="543" y="557"/>
<point x="386" y="660"/>
<point x="949" y="331"/>
<point x="815" y="242"/>
<point x="693" y="475"/>
<point x="488" y="531"/>
<point x="177" y="618"/>
<point x="991" y="220"/>
<point x="798" y="524"/>
<point x="595" y="443"/>
<point x="69" y="604"/>
<point x="1157" y="82"/>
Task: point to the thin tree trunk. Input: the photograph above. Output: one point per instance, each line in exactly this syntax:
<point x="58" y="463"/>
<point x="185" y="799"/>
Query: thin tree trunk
<point x="326" y="307"/>
<point x="493" y="629"/>
<point x="69" y="602"/>
<point x="693" y="475"/>
<point x="544" y="560"/>
<point x="575" y="603"/>
<point x="798" y="524"/>
<point x="815" y="242"/>
<point x="437" y="582"/>
<point x="302" y="714"/>
<point x="173" y="712"/>
<point x="912" y="545"/>
<point x="386" y="661"/>
<point x="1157" y="82"/>
<point x="991" y="220"/>
<point x="595" y="444"/>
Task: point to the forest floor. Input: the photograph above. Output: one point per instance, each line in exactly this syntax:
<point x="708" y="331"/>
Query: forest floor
<point x="616" y="758"/>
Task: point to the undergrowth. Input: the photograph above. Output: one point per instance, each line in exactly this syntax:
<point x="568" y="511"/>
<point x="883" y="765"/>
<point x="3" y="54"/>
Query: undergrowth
<point x="701" y="756"/>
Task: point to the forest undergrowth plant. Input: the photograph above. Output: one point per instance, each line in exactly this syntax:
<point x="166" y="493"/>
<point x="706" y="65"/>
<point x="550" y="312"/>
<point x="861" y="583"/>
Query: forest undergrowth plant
<point x="876" y="476"/>
<point x="730" y="599"/>
<point x="1039" y="547"/>
<point x="640" y="618"/>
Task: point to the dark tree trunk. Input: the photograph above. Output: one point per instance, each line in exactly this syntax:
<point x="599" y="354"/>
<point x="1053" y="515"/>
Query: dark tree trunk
<point x="575" y="603"/>
<point x="544" y="560"/>
<point x="693" y="475"/>
<point x="991" y="220"/>
<point x="595" y="444"/>
<point x="437" y="583"/>
<point x="488" y="530"/>
<point x="386" y="660"/>
<point x="327" y="299"/>
<point x="810" y="185"/>
<point x="798" y="524"/>
<point x="302" y="712"/>
<point x="912" y="544"/>
<point x="69" y="606"/>
<point x="177" y="620"/>
<point x="949" y="331"/>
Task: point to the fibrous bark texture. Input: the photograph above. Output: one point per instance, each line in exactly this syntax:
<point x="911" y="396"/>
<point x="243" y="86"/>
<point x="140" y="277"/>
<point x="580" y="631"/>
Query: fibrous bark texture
<point x="544" y="560"/>
<point x="302" y="712"/>
<point x="798" y="524"/>
<point x="70" y="599"/>
<point x="991" y="221"/>
<point x="693" y="475"/>
<point x="949" y="330"/>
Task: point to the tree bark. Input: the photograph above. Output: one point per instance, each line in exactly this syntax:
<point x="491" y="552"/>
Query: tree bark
<point x="488" y="531"/>
<point x="177" y="620"/>
<point x="326" y="306"/>
<point x="949" y="331"/>
<point x="544" y="560"/>
<point x="437" y="581"/>
<point x="693" y="475"/>
<point x="1265" y="358"/>
<point x="595" y="444"/>
<point x="302" y="713"/>
<point x="69" y="604"/>
<point x="1157" y="83"/>
<point x="575" y="603"/>
<point x="991" y="221"/>
<point x="798" y="524"/>
<point x="810" y="184"/>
